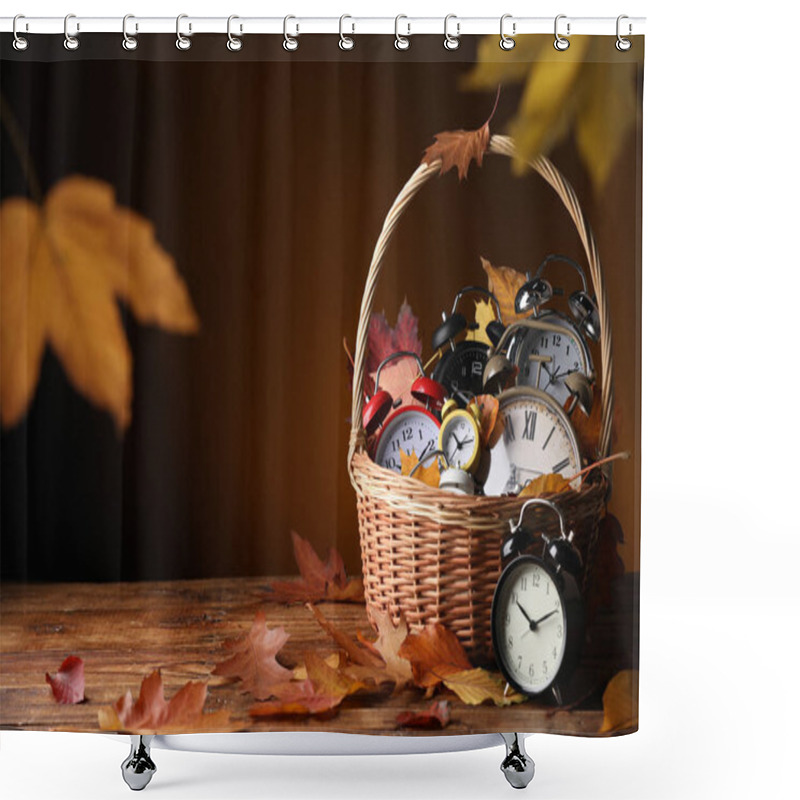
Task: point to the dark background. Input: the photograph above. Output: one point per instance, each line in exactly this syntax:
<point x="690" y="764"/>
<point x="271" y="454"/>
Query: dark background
<point x="267" y="176"/>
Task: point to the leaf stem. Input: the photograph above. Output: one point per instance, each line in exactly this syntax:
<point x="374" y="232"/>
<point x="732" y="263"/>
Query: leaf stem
<point x="496" y="101"/>
<point x="15" y="134"/>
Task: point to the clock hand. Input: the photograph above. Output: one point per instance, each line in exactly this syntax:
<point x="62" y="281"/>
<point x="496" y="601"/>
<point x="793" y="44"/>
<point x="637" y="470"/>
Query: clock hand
<point x="542" y="619"/>
<point x="525" y="614"/>
<point x="425" y="451"/>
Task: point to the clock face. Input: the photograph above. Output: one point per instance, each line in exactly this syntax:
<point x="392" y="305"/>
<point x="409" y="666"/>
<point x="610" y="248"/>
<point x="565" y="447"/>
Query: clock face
<point x="412" y="430"/>
<point x="461" y="369"/>
<point x="537" y="440"/>
<point x="459" y="439"/>
<point x="529" y="625"/>
<point x="545" y="358"/>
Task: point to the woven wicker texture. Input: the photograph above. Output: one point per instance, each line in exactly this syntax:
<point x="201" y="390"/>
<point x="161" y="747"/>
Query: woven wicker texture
<point x="433" y="556"/>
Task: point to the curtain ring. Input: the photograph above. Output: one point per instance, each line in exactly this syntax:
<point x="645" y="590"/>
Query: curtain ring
<point x="623" y="44"/>
<point x="20" y="42"/>
<point x="129" y="42"/>
<point x="182" y="42"/>
<point x="290" y="43"/>
<point x="451" y="42"/>
<point x="346" y="42"/>
<point x="560" y="42"/>
<point x="70" y="42"/>
<point x="234" y="42"/>
<point x="506" y="42"/>
<point x="401" y="42"/>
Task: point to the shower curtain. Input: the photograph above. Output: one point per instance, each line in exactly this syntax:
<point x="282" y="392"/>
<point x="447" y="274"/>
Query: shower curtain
<point x="185" y="240"/>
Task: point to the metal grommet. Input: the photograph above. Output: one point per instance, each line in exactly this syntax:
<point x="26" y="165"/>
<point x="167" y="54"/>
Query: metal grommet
<point x="20" y="42"/>
<point x="182" y="42"/>
<point x="401" y="42"/>
<point x="623" y="44"/>
<point x="290" y="43"/>
<point x="506" y="42"/>
<point x="346" y="42"/>
<point x="451" y="42"/>
<point x="129" y="42"/>
<point x="560" y="42"/>
<point x="70" y="42"/>
<point x="234" y="42"/>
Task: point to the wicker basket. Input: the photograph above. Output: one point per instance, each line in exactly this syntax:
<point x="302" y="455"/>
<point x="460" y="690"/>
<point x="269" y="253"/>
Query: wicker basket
<point x="435" y="556"/>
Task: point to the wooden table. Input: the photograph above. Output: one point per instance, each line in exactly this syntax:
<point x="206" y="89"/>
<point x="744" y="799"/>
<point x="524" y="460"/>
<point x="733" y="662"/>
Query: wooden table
<point x="124" y="631"/>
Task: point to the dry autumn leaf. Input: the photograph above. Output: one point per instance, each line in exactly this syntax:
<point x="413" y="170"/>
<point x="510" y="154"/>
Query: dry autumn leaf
<point x="458" y="149"/>
<point x="63" y="267"/>
<point x="434" y="653"/>
<point x="428" y="473"/>
<point x="387" y="646"/>
<point x="318" y="580"/>
<point x="476" y="686"/>
<point x="300" y="673"/>
<point x="484" y="314"/>
<point x="504" y="283"/>
<point x="151" y="713"/>
<point x="435" y="717"/>
<point x="552" y="483"/>
<point x="254" y="659"/>
<point x="620" y="702"/>
<point x="356" y="652"/>
<point x="68" y="683"/>
<point x="492" y="423"/>
<point x="383" y="339"/>
<point x="397" y="378"/>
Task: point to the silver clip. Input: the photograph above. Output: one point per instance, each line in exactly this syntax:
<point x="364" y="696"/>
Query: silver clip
<point x="20" y="42"/>
<point x="129" y="42"/>
<point x="290" y="43"/>
<point x="623" y="44"/>
<point x="401" y="42"/>
<point x="506" y="42"/>
<point x="70" y="42"/>
<point x="182" y="42"/>
<point x="560" y="42"/>
<point x="451" y="42"/>
<point x="234" y="42"/>
<point x="346" y="42"/>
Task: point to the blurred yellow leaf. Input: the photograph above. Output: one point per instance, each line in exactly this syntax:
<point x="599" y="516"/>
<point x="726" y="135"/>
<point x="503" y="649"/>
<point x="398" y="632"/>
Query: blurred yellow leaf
<point x="584" y="88"/>
<point x="428" y="473"/>
<point x="63" y="267"/>
<point x="476" y="686"/>
<point x="484" y="314"/>
<point x="620" y="702"/>
<point x="545" y="484"/>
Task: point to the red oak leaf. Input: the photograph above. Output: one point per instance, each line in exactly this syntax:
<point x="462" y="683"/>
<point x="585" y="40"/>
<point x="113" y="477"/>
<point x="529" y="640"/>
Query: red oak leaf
<point x="254" y="661"/>
<point x="318" y="580"/>
<point x="68" y="683"/>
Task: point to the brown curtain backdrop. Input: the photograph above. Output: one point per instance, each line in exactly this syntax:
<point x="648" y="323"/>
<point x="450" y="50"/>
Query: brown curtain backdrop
<point x="267" y="176"/>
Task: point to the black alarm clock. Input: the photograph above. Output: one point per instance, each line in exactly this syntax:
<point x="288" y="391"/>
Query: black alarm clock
<point x="538" y="611"/>
<point x="460" y="368"/>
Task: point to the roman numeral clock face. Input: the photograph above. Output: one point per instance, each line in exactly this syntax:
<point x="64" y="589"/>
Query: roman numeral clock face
<point x="537" y="440"/>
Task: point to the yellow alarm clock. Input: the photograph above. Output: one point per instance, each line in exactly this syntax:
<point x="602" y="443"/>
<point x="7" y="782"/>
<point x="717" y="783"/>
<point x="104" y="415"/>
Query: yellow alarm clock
<point x="460" y="436"/>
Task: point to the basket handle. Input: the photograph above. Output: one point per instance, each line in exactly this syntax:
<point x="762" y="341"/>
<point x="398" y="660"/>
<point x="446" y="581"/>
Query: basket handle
<point x="499" y="145"/>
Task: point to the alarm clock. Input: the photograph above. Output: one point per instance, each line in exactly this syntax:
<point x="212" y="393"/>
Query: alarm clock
<point x="564" y="344"/>
<point x="412" y="429"/>
<point x="537" y="618"/>
<point x="451" y="479"/>
<point x="460" y="368"/>
<point x="538" y="439"/>
<point x="460" y="436"/>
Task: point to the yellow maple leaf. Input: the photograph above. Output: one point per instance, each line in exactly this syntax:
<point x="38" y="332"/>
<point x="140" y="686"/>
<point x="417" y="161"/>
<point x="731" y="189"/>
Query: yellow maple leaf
<point x="476" y="686"/>
<point x="504" y="283"/>
<point x="484" y="314"/>
<point x="428" y="473"/>
<point x="63" y="267"/>
<point x="620" y="702"/>
<point x="586" y="89"/>
<point x="551" y="483"/>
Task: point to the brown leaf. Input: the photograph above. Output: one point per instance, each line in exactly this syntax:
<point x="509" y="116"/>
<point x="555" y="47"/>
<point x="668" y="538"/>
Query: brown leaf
<point x="435" y="717"/>
<point x="151" y="713"/>
<point x="387" y="646"/>
<point x="322" y="691"/>
<point x="551" y="483"/>
<point x="587" y="429"/>
<point x="68" y="683"/>
<point x="300" y="673"/>
<point x="621" y="702"/>
<point x="63" y="268"/>
<point x="484" y="314"/>
<point x="428" y="473"/>
<point x="434" y="653"/>
<point x="476" y="686"/>
<point x="357" y="653"/>
<point x="504" y="283"/>
<point x="458" y="149"/>
<point x="254" y="661"/>
<point x="397" y="378"/>
<point x="492" y="423"/>
<point x="318" y="580"/>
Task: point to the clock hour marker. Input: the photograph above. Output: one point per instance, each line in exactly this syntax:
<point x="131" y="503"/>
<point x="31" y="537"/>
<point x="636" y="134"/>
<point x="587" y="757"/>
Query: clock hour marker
<point x="547" y="440"/>
<point x="530" y="425"/>
<point x="508" y="430"/>
<point x="561" y="464"/>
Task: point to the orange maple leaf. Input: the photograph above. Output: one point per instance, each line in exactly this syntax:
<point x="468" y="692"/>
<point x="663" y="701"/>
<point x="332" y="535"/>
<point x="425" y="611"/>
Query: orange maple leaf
<point x="550" y="483"/>
<point x="434" y="653"/>
<point x="458" y="149"/>
<point x="151" y="713"/>
<point x="428" y="473"/>
<point x="365" y="656"/>
<point x="254" y="659"/>
<point x="491" y="422"/>
<point x="318" y="580"/>
<point x="63" y="268"/>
